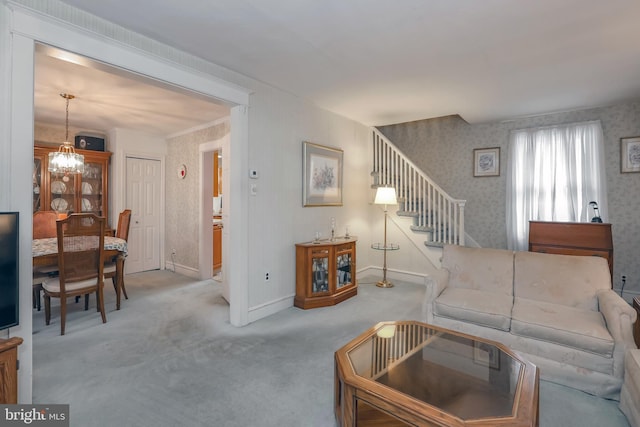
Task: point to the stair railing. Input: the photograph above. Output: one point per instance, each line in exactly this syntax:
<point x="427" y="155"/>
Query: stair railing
<point x="435" y="211"/>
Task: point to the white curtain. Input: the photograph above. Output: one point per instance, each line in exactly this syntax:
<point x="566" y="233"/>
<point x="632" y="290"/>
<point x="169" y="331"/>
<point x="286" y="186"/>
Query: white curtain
<point x="553" y="174"/>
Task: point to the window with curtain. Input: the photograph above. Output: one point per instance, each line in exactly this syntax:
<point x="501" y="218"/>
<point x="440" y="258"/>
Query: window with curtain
<point x="553" y="174"/>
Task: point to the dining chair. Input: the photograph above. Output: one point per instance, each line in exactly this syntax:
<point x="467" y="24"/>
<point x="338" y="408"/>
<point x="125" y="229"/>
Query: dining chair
<point x="122" y="232"/>
<point x="44" y="226"/>
<point x="80" y="264"/>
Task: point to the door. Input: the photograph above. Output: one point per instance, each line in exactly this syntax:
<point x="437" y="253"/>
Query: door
<point x="143" y="198"/>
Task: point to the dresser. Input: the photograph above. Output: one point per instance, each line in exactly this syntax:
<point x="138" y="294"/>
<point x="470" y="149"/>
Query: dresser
<point x="572" y="238"/>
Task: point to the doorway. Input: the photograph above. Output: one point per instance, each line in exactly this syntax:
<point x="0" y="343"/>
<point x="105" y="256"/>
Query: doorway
<point x="214" y="161"/>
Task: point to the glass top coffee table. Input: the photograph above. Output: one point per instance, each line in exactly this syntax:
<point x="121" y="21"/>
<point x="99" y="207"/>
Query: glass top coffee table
<point x="412" y="373"/>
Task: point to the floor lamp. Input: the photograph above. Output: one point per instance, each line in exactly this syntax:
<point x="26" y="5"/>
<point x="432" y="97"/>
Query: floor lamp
<point x="385" y="196"/>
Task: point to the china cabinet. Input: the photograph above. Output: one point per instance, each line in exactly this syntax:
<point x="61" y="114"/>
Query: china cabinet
<point x="325" y="272"/>
<point x="86" y="192"/>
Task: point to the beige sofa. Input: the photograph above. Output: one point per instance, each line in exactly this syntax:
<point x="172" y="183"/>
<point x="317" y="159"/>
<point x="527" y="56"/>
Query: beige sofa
<point x="558" y="311"/>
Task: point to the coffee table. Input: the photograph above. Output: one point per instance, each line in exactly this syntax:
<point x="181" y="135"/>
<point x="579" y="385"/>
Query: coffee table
<point x="411" y="373"/>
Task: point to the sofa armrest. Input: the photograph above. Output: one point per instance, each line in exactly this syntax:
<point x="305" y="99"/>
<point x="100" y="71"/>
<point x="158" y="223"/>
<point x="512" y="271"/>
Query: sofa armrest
<point x="435" y="284"/>
<point x="619" y="315"/>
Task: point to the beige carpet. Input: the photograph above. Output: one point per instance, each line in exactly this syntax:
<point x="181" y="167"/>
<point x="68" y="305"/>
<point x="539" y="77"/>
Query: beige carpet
<point x="171" y="358"/>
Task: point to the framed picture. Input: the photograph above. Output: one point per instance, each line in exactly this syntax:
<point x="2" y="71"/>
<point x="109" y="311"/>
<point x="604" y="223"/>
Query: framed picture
<point x="322" y="175"/>
<point x="486" y="161"/>
<point x="630" y="154"/>
<point x="486" y="354"/>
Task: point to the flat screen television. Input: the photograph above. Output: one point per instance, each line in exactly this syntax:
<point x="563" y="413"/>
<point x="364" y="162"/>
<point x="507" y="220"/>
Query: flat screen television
<point x="8" y="269"/>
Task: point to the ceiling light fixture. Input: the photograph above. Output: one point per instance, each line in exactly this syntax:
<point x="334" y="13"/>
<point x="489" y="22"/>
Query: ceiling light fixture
<point x="66" y="160"/>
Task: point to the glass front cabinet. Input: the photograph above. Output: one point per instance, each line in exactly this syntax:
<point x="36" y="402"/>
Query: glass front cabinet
<point x="325" y="272"/>
<point x="86" y="192"/>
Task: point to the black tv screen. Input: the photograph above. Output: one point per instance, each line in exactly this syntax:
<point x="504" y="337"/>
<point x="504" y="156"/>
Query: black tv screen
<point x="8" y="269"/>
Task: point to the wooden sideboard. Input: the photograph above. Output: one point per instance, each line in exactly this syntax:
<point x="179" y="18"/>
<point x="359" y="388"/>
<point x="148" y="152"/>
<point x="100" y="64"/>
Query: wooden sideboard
<point x="9" y="370"/>
<point x="572" y="238"/>
<point x="325" y="272"/>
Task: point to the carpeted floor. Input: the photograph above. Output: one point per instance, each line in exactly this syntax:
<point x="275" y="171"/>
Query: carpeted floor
<point x="170" y="357"/>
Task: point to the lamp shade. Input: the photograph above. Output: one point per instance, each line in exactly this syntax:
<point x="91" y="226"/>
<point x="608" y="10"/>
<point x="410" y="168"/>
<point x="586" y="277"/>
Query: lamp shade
<point x="386" y="196"/>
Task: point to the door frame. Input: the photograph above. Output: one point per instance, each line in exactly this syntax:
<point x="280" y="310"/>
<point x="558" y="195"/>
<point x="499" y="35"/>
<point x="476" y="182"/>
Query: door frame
<point x="206" y="149"/>
<point x="26" y="27"/>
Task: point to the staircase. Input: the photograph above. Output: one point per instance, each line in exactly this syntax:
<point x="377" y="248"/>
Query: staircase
<point x="433" y="217"/>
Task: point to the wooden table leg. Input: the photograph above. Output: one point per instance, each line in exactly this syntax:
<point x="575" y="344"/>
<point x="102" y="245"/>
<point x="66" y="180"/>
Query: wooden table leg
<point x="636" y="326"/>
<point x="119" y="279"/>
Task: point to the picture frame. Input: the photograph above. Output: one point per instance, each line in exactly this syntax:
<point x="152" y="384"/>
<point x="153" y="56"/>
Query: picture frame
<point x="321" y="175"/>
<point x="630" y="154"/>
<point x="486" y="354"/>
<point x="486" y="162"/>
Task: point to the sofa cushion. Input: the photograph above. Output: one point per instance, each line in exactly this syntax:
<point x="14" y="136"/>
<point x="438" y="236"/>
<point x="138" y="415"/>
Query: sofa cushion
<point x="561" y="279"/>
<point x="572" y="327"/>
<point x="489" y="270"/>
<point x="478" y="307"/>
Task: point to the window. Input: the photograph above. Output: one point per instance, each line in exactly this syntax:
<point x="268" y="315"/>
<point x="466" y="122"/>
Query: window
<point x="553" y="174"/>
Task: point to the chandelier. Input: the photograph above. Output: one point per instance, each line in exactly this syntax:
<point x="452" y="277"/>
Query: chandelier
<point x="66" y="160"/>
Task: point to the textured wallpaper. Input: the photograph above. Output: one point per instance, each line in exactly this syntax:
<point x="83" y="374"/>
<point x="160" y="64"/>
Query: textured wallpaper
<point x="182" y="197"/>
<point x="443" y="148"/>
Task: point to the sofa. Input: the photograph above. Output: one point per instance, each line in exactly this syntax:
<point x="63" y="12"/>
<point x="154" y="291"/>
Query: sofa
<point x="557" y="311"/>
<point x="630" y="394"/>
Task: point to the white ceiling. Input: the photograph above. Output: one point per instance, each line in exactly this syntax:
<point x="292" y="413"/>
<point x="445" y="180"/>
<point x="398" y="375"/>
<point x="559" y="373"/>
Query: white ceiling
<point x="107" y="98"/>
<point x="382" y="62"/>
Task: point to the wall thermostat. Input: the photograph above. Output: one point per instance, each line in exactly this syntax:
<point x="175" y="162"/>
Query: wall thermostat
<point x="253" y="174"/>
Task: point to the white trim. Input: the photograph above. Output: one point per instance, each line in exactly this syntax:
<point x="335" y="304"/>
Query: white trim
<point x="20" y="164"/>
<point x="182" y="269"/>
<point x="271" y="307"/>
<point x="199" y="127"/>
<point x="399" y="275"/>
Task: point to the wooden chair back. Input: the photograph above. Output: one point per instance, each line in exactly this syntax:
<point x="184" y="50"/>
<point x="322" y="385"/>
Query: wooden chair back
<point x="80" y="249"/>
<point x="124" y="220"/>
<point x="44" y="224"/>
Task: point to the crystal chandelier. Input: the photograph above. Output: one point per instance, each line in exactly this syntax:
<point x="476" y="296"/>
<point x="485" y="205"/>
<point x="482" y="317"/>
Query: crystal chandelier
<point x="66" y="160"/>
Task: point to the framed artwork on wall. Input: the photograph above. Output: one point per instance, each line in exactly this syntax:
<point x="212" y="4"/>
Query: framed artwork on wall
<point x="486" y="161"/>
<point x="630" y="154"/>
<point x="322" y="175"/>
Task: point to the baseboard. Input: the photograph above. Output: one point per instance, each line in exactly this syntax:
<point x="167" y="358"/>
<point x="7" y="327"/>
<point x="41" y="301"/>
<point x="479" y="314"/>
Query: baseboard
<point x="182" y="269"/>
<point x="628" y="295"/>
<point x="400" y="275"/>
<point x="268" y="308"/>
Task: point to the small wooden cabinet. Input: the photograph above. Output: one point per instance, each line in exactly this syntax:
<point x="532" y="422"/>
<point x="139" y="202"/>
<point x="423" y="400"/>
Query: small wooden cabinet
<point x="325" y="272"/>
<point x="572" y="238"/>
<point x="9" y="370"/>
<point x="87" y="192"/>
<point x="217" y="247"/>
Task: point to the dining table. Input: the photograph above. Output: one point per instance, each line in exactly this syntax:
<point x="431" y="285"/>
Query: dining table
<point x="45" y="253"/>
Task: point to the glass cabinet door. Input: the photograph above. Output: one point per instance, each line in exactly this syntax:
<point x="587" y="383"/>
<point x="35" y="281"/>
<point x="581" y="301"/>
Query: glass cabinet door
<point x="37" y="184"/>
<point x="91" y="189"/>
<point x="343" y="269"/>
<point x="320" y="271"/>
<point x="63" y="192"/>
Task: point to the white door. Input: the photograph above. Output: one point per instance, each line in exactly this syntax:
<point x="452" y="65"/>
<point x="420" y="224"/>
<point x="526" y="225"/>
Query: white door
<point x="143" y="198"/>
